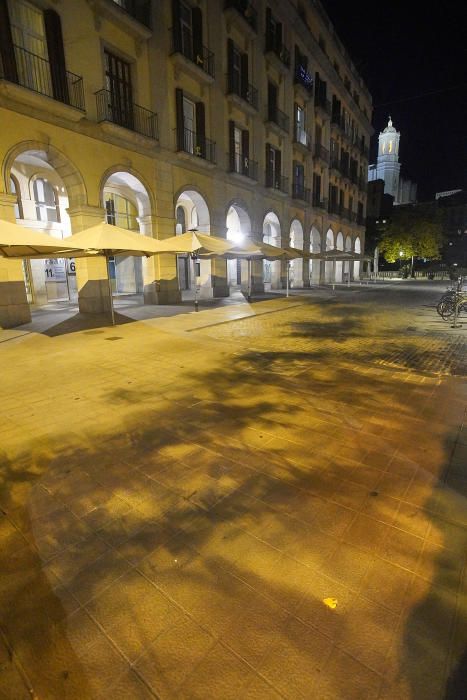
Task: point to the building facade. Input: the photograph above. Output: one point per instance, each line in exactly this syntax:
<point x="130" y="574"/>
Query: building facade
<point x="388" y="168"/>
<point x="239" y="120"/>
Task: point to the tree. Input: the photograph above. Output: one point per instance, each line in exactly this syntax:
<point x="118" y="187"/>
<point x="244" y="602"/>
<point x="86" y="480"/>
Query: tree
<point x="415" y="231"/>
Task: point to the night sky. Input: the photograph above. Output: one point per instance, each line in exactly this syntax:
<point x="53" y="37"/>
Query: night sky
<point x="404" y="50"/>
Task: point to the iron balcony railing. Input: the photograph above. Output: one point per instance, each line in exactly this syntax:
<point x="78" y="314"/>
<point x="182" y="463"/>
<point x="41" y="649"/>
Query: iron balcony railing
<point x="334" y="207"/>
<point x="41" y="76"/>
<point x="281" y="51"/>
<point x="334" y="163"/>
<point x="302" y="136"/>
<point x="277" y="181"/>
<point x="319" y="203"/>
<point x="247" y="92"/>
<point x="243" y="165"/>
<point x="278" y="117"/>
<point x="138" y="9"/>
<point x="353" y="216"/>
<point x="344" y="168"/>
<point x="246" y="10"/>
<point x="304" y="78"/>
<point x="204" y="58"/>
<point x="336" y="120"/>
<point x="353" y="177"/>
<point x="198" y="145"/>
<point x="323" y="104"/>
<point x="321" y="152"/>
<point x="299" y="191"/>
<point x="112" y="108"/>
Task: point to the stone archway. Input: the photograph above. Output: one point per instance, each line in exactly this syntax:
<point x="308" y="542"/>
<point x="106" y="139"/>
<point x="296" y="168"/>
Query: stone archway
<point x="272" y="235"/>
<point x="194" y="273"/>
<point x="238" y="225"/>
<point x="42" y="179"/>
<point x="127" y="204"/>
<point x="356" y="264"/>
<point x="296" y="266"/>
<point x="315" y="247"/>
<point x="339" y="264"/>
<point x="329" y="264"/>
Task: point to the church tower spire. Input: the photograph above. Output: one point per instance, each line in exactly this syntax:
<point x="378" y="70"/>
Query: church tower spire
<point x="387" y="164"/>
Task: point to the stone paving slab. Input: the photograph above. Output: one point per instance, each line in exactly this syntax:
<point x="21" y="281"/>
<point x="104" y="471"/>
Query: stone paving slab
<point x="261" y="502"/>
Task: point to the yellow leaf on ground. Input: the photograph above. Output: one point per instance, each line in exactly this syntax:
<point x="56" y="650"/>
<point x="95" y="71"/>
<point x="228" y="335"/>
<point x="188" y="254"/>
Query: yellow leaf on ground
<point x="330" y="602"/>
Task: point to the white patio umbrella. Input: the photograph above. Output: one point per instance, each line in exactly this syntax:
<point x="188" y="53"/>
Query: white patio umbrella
<point x="196" y="245"/>
<point x="23" y="242"/>
<point x="252" y="249"/>
<point x="107" y="240"/>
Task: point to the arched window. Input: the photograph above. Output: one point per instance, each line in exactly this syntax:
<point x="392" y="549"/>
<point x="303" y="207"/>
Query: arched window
<point x="181" y="221"/>
<point x="14" y="187"/>
<point x="46" y="199"/>
<point x="121" y="212"/>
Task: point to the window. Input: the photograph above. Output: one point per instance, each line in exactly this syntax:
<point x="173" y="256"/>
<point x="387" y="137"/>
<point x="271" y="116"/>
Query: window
<point x="180" y="226"/>
<point x="15" y="189"/>
<point x="237" y="64"/>
<point x="300" y="133"/>
<point x="186" y="30"/>
<point x="121" y="212"/>
<point x="239" y="140"/>
<point x="191" y="136"/>
<point x="30" y="46"/>
<point x="273" y="167"/>
<point x="46" y="199"/>
<point x="298" y="183"/>
<point x="119" y="89"/>
<point x="316" y="189"/>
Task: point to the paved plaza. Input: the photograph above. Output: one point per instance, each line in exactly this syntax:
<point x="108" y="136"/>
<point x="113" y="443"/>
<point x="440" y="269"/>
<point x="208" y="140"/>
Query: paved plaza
<point x="256" y="501"/>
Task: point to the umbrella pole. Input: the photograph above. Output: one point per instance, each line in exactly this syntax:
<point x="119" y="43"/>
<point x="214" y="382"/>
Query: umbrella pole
<point x="288" y="268"/>
<point x="110" y="291"/>
<point x="249" y="279"/>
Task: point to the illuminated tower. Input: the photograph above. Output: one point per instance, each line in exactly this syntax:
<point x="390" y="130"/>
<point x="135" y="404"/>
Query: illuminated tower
<point x="387" y="164"/>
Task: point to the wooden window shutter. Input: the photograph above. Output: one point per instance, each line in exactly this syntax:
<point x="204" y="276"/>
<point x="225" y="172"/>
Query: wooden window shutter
<point x="180" y="119"/>
<point x="7" y="52"/>
<point x="269" y="181"/>
<point x="244" y="74"/>
<point x="53" y="35"/>
<point x="176" y="26"/>
<point x="246" y="151"/>
<point x="197" y="26"/>
<point x="200" y="130"/>
<point x="230" y="60"/>
<point x="277" y="174"/>
<point x="232" y="145"/>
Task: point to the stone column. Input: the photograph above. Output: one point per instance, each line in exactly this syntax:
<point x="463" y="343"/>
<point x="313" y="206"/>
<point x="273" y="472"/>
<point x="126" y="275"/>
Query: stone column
<point x="14" y="307"/>
<point x="91" y="273"/>
<point x="160" y="271"/>
<point x="220" y="286"/>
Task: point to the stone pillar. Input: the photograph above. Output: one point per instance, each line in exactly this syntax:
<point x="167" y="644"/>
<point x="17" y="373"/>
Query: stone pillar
<point x="161" y="277"/>
<point x="257" y="283"/>
<point x="91" y="273"/>
<point x="14" y="307"/>
<point x="220" y="286"/>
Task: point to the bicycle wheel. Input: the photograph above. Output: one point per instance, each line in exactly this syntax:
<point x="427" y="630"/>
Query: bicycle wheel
<point x="447" y="309"/>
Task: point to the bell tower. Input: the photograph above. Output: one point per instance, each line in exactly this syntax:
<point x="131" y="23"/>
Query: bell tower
<point x="387" y="164"/>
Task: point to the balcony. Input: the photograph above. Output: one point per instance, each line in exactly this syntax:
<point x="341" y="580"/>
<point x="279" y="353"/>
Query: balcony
<point x="353" y="216"/>
<point x="334" y="208"/>
<point x="321" y="153"/>
<point x="243" y="165"/>
<point x="279" y="53"/>
<point x="277" y="182"/>
<point x="302" y="138"/>
<point x="319" y="203"/>
<point x="246" y="11"/>
<point x="140" y="10"/>
<point x="323" y="106"/>
<point x="304" y="80"/>
<point x="344" y="169"/>
<point x="336" y="120"/>
<point x="299" y="191"/>
<point x="276" y="116"/>
<point x="247" y="93"/>
<point x="110" y="108"/>
<point x="44" y="78"/>
<point x="353" y="177"/>
<point x="199" y="64"/>
<point x="197" y="145"/>
<point x="334" y="163"/>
